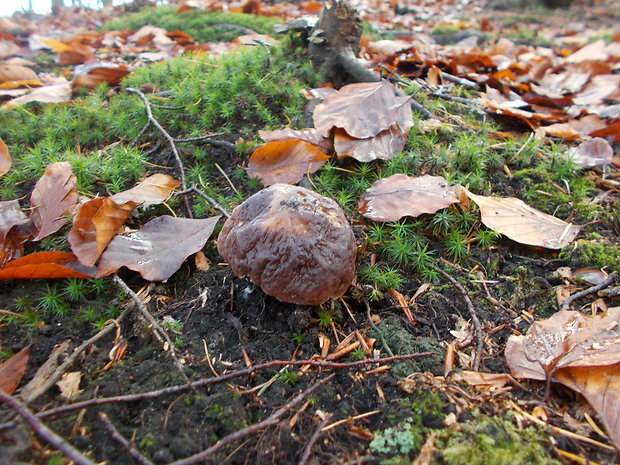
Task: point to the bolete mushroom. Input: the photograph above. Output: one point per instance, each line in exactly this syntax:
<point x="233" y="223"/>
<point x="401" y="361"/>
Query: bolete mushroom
<point x="294" y="243"/>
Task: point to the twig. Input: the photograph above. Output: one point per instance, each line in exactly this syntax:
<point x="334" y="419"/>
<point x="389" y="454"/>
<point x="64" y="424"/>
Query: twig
<point x="73" y="357"/>
<point x="313" y="439"/>
<point x="164" y="133"/>
<point x="248" y="431"/>
<point x="461" y="81"/>
<point x="212" y="201"/>
<point x="591" y="290"/>
<point x="152" y="321"/>
<point x="43" y="431"/>
<point x="133" y="143"/>
<point x="118" y="437"/>
<point x="221" y="379"/>
<point x="472" y="313"/>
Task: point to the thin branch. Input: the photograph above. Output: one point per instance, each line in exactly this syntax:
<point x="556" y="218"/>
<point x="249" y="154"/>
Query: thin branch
<point x="458" y="80"/>
<point x="51" y="381"/>
<point x="152" y="321"/>
<point x="43" y="431"/>
<point x="222" y="379"/>
<point x="313" y="439"/>
<point x="252" y="429"/>
<point x="167" y="136"/>
<point x="212" y="201"/>
<point x="591" y="290"/>
<point x="472" y="313"/>
<point x="118" y="437"/>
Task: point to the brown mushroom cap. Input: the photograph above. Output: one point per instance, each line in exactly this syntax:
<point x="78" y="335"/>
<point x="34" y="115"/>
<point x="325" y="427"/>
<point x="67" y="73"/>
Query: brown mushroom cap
<point x="294" y="243"/>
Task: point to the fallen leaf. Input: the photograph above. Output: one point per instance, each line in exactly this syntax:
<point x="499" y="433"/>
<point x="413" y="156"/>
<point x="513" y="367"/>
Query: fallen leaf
<point x="383" y="146"/>
<point x="95" y="76"/>
<point x="521" y="223"/>
<point x="285" y="162"/>
<point x="14" y="230"/>
<point x="310" y="135"/>
<point x="363" y="110"/>
<point x="477" y="378"/>
<point x="12" y="370"/>
<point x="16" y="73"/>
<point x="158" y="249"/>
<point x="56" y="93"/>
<point x="96" y="223"/>
<point x="151" y="191"/>
<point x="391" y="198"/>
<point x="46" y="265"/>
<point x="202" y="262"/>
<point x="579" y="351"/>
<point x="591" y="153"/>
<point x="53" y="197"/>
<point x="69" y="385"/>
<point x="5" y="158"/>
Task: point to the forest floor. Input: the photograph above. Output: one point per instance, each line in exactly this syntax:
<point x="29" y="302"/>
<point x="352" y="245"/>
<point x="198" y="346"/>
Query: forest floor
<point x="238" y="387"/>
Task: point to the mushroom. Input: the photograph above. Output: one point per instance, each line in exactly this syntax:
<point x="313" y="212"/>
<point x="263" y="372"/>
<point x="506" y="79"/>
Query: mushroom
<point x="294" y="243"/>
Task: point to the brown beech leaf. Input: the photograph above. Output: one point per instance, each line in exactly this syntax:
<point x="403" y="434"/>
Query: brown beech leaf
<point x="106" y="72"/>
<point x="383" y="146"/>
<point x="53" y="197"/>
<point x="591" y="153"/>
<point x="12" y="370"/>
<point x="523" y="224"/>
<point x="158" y="249"/>
<point x="5" y="158"/>
<point x="284" y="162"/>
<point x="363" y="110"/>
<point x="310" y="135"/>
<point x="46" y="265"/>
<point x="579" y="351"/>
<point x="16" y="73"/>
<point x="151" y="191"/>
<point x="55" y="93"/>
<point x="97" y="222"/>
<point x="15" y="229"/>
<point x="391" y="198"/>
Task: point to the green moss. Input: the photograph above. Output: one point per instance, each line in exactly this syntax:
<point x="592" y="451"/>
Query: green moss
<point x="402" y="342"/>
<point x="593" y="251"/>
<point x="202" y="26"/>
<point x="493" y="441"/>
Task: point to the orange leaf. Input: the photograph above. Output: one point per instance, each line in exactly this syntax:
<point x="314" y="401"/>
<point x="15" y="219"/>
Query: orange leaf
<point x="53" y="197"/>
<point x="95" y="76"/>
<point x="97" y="222"/>
<point x="5" y="158"/>
<point x="44" y="265"/>
<point x="285" y="162"/>
<point x="152" y="191"/>
<point x="12" y="370"/>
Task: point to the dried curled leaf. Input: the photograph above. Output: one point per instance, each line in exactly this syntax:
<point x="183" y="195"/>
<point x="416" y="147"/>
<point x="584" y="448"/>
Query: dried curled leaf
<point x="97" y="222"/>
<point x="12" y="370"/>
<point x="53" y="197"/>
<point x="5" y="158"/>
<point x="363" y="110"/>
<point x="151" y="191"/>
<point x="391" y="198"/>
<point x="158" y="249"/>
<point x="285" y="162"/>
<point x="521" y="223"/>
<point x="15" y="229"/>
<point x="383" y="146"/>
<point x="579" y="351"/>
